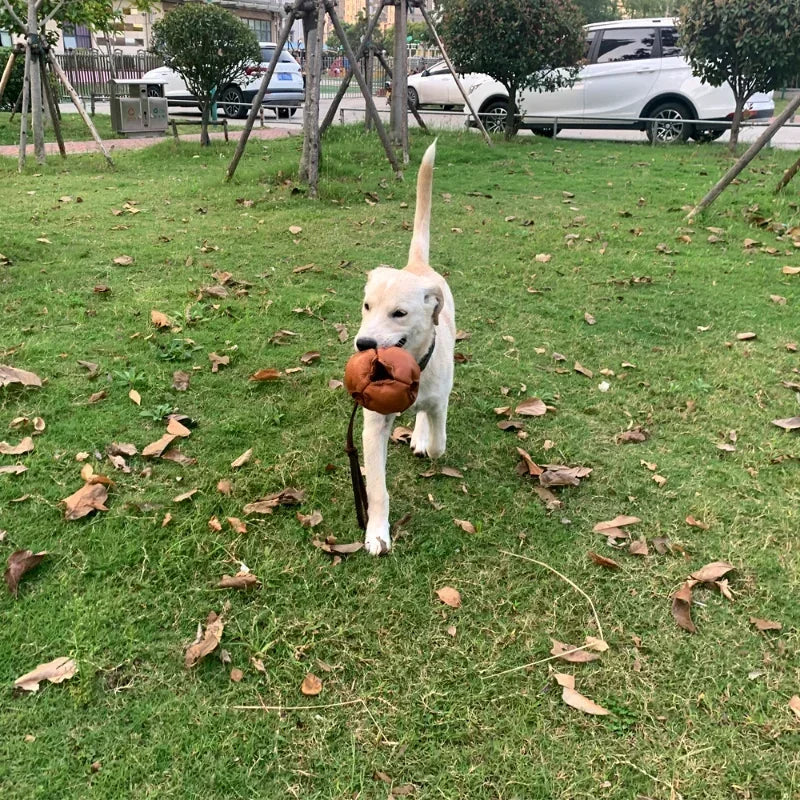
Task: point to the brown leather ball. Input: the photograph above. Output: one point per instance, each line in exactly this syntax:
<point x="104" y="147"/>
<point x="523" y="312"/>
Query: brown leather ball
<point x="384" y="380"/>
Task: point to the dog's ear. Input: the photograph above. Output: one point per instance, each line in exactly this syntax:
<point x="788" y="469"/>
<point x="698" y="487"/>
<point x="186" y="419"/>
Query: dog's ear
<point x="434" y="297"/>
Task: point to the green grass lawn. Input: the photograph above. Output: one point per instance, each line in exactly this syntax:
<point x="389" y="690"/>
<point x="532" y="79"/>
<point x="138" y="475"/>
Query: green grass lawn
<point x="695" y="716"/>
<point x="72" y="128"/>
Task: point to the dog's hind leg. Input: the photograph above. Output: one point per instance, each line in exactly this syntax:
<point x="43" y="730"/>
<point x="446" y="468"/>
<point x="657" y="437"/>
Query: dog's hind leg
<point x="421" y="435"/>
<point x="377" y="429"/>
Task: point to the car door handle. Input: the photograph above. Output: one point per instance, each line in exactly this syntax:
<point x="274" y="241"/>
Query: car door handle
<point x="646" y="69"/>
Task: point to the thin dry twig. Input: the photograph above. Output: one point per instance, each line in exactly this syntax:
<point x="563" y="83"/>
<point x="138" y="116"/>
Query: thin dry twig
<point x="535" y="663"/>
<point x="674" y="793"/>
<point x="297" y="708"/>
<point x="563" y="578"/>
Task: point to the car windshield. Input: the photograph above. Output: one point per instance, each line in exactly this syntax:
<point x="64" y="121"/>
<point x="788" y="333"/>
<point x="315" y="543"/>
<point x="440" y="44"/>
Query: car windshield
<point x="268" y="52"/>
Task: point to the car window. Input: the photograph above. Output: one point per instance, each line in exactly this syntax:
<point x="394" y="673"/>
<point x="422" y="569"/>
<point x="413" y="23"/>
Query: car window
<point x="268" y="52"/>
<point x="626" y="44"/>
<point x="587" y="47"/>
<point x="440" y="71"/>
<point x="669" y="43"/>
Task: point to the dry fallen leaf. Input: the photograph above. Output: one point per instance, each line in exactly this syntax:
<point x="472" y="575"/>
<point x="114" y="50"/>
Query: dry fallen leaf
<point x="309" y="520"/>
<point x="639" y="547"/>
<point x="633" y="436"/>
<point x="13" y="469"/>
<point x="237" y="525"/>
<point x="543" y="258"/>
<point x="449" y="596"/>
<point x="185" y="496"/>
<point x="269" y="374"/>
<point x="242" y="460"/>
<point x="236" y="675"/>
<point x="55" y="671"/>
<point x="285" y="497"/>
<point x="155" y="449"/>
<point x="532" y="407"/>
<point x="25" y="446"/>
<point x="159" y="319"/>
<point x="176" y="428"/>
<point x="241" y="580"/>
<point x="530" y="466"/>
<point x="578" y="657"/>
<point x="765" y="624"/>
<point x="576" y="699"/>
<point x="218" y="361"/>
<point x="311" y="685"/>
<point x="225" y="487"/>
<point x="206" y="642"/>
<point x="590" y="320"/>
<point x="682" y="607"/>
<point x="123" y="261"/>
<point x="712" y="572"/>
<point x="295" y="229"/>
<point x="660" y="480"/>
<point x="618" y="522"/>
<point x="551" y="502"/>
<point x="560" y="475"/>
<point x="746" y="336"/>
<point x="794" y="705"/>
<point x="696" y="523"/>
<point x="603" y="561"/>
<point x="90" y="497"/>
<point x="579" y="368"/>
<point x="401" y="435"/>
<point x="791" y="270"/>
<point x="310" y="357"/>
<point x="215" y="524"/>
<point x="10" y="375"/>
<point x="19" y="562"/>
<point x="465" y="525"/>
<point x="789" y="424"/>
<point x="180" y="380"/>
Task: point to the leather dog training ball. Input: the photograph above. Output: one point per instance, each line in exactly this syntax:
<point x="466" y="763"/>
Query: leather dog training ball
<point x="384" y="380"/>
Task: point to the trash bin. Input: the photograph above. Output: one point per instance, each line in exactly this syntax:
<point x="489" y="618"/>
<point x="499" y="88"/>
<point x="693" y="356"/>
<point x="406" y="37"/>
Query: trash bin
<point x="133" y="113"/>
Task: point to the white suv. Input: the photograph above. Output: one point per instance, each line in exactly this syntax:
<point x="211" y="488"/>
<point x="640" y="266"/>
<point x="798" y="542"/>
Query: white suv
<point x="285" y="93"/>
<point x="633" y="68"/>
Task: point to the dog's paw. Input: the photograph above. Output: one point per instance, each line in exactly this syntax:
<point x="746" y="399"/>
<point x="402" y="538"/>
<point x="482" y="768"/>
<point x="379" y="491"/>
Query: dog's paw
<point x="378" y="541"/>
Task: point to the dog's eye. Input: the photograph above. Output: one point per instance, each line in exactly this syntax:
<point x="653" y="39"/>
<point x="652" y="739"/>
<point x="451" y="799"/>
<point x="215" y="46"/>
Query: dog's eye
<point x="366" y="306"/>
<point x="398" y="313"/>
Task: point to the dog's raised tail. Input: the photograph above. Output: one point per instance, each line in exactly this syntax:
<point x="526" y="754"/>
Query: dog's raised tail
<point x="420" y="241"/>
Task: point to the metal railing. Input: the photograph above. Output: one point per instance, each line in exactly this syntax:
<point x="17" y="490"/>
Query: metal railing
<point x="89" y="71"/>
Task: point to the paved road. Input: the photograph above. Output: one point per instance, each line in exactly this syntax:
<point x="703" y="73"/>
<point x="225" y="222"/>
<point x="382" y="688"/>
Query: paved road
<point x="353" y="110"/>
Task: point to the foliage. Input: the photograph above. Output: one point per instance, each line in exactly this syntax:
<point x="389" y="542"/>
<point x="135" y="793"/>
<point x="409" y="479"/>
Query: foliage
<point x="649" y="8"/>
<point x="420" y="33"/>
<point x="95" y="14"/>
<point x="208" y="47"/>
<point x="524" y="44"/>
<point x="14" y="86"/>
<point x="598" y="10"/>
<point x="354" y="31"/>
<point x="753" y="45"/>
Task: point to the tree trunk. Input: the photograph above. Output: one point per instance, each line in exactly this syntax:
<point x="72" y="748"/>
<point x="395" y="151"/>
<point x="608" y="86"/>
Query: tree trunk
<point x="737" y="123"/>
<point x="34" y="53"/>
<point x="205" y="140"/>
<point x="511" y="119"/>
<point x="309" y="161"/>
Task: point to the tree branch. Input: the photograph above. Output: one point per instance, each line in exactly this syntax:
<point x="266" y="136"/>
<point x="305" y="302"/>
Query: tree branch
<point x="13" y="14"/>
<point x="52" y="14"/>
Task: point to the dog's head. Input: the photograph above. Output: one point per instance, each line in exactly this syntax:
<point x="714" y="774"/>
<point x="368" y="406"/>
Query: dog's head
<point x="400" y="309"/>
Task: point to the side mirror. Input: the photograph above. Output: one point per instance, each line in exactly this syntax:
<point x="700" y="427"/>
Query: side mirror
<point x="425" y="73"/>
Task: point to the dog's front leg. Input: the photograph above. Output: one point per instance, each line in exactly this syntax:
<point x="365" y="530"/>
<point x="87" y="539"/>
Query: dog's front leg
<point x="377" y="429"/>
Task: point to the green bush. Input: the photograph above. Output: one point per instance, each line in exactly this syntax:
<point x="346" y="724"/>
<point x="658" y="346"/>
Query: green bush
<point x="14" y="86"/>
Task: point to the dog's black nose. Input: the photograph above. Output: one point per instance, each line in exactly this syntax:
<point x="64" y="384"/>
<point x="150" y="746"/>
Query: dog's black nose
<point x="366" y="344"/>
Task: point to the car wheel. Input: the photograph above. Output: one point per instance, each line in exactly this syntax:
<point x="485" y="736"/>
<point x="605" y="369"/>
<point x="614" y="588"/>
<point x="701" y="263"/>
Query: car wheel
<point x="705" y="136"/>
<point x="155" y="91"/>
<point x="285" y="113"/>
<point x="413" y="98"/>
<point x="547" y="133"/>
<point x="494" y="116"/>
<point x="229" y="100"/>
<point x="671" y="125"/>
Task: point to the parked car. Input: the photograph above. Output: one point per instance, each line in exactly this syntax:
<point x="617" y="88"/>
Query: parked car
<point x="633" y="69"/>
<point x="285" y="93"/>
<point x="436" y="86"/>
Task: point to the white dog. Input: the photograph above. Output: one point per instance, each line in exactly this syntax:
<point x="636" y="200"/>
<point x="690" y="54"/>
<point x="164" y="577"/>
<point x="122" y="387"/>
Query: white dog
<point x="411" y="308"/>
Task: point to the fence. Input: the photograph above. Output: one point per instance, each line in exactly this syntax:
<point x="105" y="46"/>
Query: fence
<point x="89" y="71"/>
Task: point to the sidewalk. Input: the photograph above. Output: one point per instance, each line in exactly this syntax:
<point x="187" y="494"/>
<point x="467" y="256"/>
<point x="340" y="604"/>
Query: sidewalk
<point x="112" y="145"/>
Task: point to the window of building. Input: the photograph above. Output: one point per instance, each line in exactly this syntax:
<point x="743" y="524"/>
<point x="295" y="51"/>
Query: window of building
<point x="77" y="37"/>
<point x="5" y="39"/>
<point x="261" y="27"/>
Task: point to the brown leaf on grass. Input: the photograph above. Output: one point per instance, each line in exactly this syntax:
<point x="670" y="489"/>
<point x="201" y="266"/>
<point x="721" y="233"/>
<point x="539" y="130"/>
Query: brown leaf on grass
<point x="530" y="465"/>
<point x="309" y="520"/>
<point x="176" y="456"/>
<point x="639" y="547"/>
<point x="791" y="270"/>
<point x="225" y="487"/>
<point x="285" y="497"/>
<point x="176" y="428"/>
<point x="98" y="396"/>
<point x="682" y="607"/>
<point x="90" y="497"/>
<point x="311" y="685"/>
<point x="660" y="480"/>
<point x="241" y="580"/>
<point x="402" y="435"/>
<point x="532" y="407"/>
<point x="579" y="368"/>
<point x="510" y="425"/>
<point x="121" y="449"/>
<point x="449" y="596"/>
<point x="341" y="330"/>
<point x="25" y="446"/>
<point x="333" y="383"/>
<point x="118" y="462"/>
<point x="180" y="498"/>
<point x="160" y="319"/>
<point x="167" y="519"/>
<point x="330" y="545"/>
<point x="576" y="699"/>
<point x="155" y="449"/>
<point x="403" y="790"/>
<point x="180" y="380"/>
<point x="603" y="561"/>
<point x="794" y="705"/>
<point x="236" y="675"/>
<point x="590" y="320"/>
<point x="577" y="657"/>
<point x="135" y="397"/>
<point x="662" y="545"/>
<point x="778" y="299"/>
<point x="696" y="523"/>
<point x="295" y="229"/>
<point x="55" y="671"/>
<point x="633" y="436"/>
<point x="268" y="374"/>
<point x="543" y="258"/>
<point x="310" y="357"/>
<point x="618" y="522"/>
<point x="242" y="460"/>
<point x="789" y="424"/>
<point x="559" y="475"/>
<point x="19" y="562"/>
<point x="218" y="361"/>
<point x="615" y="533"/>
<point x="123" y="261"/>
<point x="746" y="336"/>
<point x="465" y="525"/>
<point x="765" y="624"/>
<point x="237" y="525"/>
<point x="215" y="524"/>
<point x="90" y="366"/>
<point x="13" y="469"/>
<point x="712" y="572"/>
<point x="205" y="643"/>
<point x="551" y="502"/>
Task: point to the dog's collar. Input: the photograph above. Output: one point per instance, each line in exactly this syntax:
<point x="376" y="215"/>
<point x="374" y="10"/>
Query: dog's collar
<point x="423" y="362"/>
